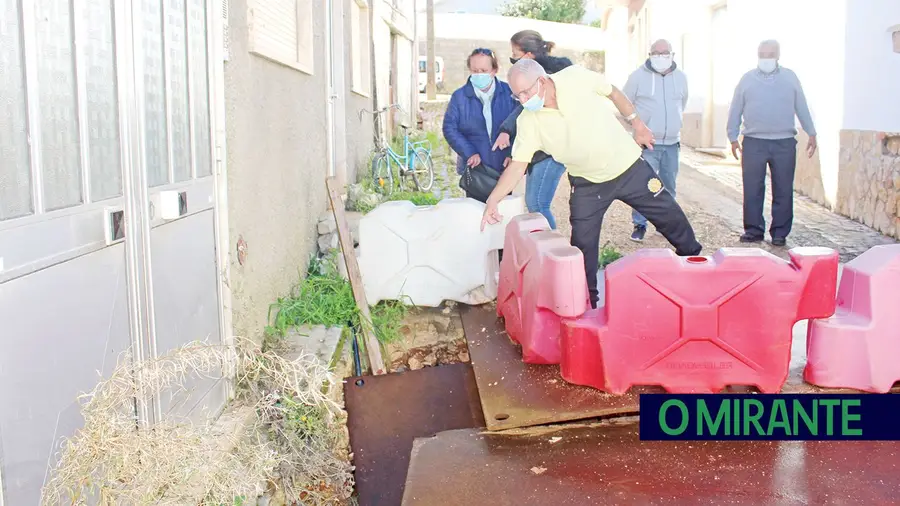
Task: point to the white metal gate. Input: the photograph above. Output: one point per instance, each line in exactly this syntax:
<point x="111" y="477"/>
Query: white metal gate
<point x="105" y="114"/>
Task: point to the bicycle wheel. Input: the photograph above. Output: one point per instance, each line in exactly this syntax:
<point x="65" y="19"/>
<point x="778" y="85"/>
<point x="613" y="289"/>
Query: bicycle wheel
<point x="422" y="172"/>
<point x="381" y="174"/>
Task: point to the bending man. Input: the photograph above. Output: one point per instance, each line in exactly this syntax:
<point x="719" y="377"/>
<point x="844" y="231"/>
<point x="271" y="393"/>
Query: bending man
<point x="567" y="116"/>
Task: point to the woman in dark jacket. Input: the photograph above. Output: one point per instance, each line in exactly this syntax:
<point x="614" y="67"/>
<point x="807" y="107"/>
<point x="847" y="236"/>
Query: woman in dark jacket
<point x="544" y="172"/>
<point x="473" y="118"/>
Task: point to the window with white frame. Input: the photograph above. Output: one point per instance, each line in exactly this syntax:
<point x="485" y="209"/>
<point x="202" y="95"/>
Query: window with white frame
<point x="282" y="31"/>
<point x="359" y="47"/>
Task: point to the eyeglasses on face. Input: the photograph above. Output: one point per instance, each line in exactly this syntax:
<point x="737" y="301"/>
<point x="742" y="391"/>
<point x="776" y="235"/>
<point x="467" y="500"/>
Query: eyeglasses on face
<point x="518" y="96"/>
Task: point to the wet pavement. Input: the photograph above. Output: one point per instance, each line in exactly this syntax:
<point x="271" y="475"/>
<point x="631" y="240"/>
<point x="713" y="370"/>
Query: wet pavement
<point x="386" y="413"/>
<point x="514" y="394"/>
<point x="609" y="465"/>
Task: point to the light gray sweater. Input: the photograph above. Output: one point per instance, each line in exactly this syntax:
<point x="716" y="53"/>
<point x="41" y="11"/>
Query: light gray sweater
<point x="659" y="100"/>
<point x="767" y="104"/>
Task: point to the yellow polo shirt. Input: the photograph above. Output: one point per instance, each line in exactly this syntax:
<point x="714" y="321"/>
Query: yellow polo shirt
<point x="583" y="134"/>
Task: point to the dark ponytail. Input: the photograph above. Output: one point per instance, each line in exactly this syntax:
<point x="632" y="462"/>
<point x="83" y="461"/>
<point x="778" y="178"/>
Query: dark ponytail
<point x="530" y="41"/>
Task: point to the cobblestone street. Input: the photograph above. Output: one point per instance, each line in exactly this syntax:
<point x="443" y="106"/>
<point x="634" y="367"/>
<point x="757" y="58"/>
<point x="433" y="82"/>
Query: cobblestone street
<point x="709" y="190"/>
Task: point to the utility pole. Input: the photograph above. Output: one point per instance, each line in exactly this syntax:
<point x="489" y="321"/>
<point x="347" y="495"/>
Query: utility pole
<point x="430" y="66"/>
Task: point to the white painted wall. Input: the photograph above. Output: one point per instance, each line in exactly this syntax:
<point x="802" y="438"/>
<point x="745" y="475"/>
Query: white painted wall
<point x="872" y="69"/>
<point x="501" y="28"/>
<point x="685" y="24"/>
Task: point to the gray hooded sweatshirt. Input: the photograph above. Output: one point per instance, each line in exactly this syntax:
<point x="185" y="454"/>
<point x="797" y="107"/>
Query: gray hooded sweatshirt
<point x="659" y="100"/>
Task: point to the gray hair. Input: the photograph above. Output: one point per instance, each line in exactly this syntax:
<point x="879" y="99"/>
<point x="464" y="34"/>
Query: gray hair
<point x="526" y="67"/>
<point x="770" y="43"/>
<point x="660" y="42"/>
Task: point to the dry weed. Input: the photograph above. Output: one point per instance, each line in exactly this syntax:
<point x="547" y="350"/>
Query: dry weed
<point x="293" y="440"/>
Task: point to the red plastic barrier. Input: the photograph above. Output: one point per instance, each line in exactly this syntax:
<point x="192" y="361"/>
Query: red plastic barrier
<point x="698" y="324"/>
<point x="858" y="347"/>
<point x="541" y="280"/>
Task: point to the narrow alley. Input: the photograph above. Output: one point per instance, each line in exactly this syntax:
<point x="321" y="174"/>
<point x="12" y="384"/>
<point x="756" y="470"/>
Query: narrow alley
<point x="302" y="252"/>
<point x="709" y="190"/>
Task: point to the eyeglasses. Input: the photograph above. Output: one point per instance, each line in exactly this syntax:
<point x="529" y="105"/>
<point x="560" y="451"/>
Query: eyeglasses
<point x="661" y="53"/>
<point x="518" y="96"/>
<point x="483" y="50"/>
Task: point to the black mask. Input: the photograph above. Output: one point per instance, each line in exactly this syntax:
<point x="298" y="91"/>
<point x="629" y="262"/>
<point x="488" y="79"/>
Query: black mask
<point x="513" y="60"/>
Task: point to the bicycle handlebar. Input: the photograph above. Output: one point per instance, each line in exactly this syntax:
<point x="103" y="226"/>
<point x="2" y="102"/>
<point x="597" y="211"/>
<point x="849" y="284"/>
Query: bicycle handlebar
<point x="380" y="111"/>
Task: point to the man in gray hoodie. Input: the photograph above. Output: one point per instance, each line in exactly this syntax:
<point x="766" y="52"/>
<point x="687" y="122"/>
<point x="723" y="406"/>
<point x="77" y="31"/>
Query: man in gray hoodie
<point x="659" y="92"/>
<point x="765" y="101"/>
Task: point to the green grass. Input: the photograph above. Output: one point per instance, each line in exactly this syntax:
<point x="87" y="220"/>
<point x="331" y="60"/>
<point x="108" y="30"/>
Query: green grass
<point x="608" y="255"/>
<point x="325" y="298"/>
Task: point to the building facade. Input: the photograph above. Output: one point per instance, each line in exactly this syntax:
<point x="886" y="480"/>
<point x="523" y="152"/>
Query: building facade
<point x="162" y="171"/>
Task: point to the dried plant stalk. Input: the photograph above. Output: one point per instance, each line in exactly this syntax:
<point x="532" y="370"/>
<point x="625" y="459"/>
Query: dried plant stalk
<point x="294" y="436"/>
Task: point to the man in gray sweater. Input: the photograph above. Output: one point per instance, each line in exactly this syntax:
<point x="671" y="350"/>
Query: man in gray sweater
<point x="766" y="100"/>
<point x="659" y="91"/>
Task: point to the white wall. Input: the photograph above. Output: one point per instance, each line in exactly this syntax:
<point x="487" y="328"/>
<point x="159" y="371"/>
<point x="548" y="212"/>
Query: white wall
<point x="501" y="28"/>
<point x="872" y="70"/>
<point x="685" y="24"/>
<point x="815" y="50"/>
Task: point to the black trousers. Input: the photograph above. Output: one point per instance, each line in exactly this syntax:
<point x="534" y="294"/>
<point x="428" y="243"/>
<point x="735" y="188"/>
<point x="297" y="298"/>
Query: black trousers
<point x="780" y="157"/>
<point x="589" y="202"/>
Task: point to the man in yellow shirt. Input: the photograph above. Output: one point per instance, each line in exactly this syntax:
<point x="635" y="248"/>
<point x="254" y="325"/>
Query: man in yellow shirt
<point x="568" y="116"/>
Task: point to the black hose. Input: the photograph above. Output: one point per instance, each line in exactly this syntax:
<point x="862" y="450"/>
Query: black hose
<point x="357" y="367"/>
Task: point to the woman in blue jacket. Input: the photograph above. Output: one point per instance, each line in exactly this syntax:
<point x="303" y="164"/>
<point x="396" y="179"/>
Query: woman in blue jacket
<point x="473" y="117"/>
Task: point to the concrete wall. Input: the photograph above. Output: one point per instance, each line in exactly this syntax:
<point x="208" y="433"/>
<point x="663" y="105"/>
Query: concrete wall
<point x="593" y="9"/>
<point x="359" y="125"/>
<point x="454" y="52"/>
<point x="277" y="164"/>
<point x="456" y="35"/>
<point x="872" y="74"/>
<point x="399" y="24"/>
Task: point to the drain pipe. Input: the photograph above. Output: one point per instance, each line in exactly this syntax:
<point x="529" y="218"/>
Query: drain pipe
<point x="329" y="102"/>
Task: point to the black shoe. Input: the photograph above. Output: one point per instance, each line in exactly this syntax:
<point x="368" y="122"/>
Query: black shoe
<point x="747" y="238"/>
<point x="779" y="241"/>
<point x="639" y="232"/>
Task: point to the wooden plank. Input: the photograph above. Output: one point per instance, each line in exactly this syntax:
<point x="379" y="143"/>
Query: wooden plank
<point x="373" y="349"/>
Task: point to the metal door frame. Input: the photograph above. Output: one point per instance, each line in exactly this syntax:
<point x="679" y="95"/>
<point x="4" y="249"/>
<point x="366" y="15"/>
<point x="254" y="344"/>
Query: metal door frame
<point x="213" y="187"/>
<point x="141" y="199"/>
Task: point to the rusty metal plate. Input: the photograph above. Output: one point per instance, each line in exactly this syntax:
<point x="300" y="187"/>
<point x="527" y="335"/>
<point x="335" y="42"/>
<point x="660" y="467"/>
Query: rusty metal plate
<point x="516" y="394"/>
<point x="386" y="413"/>
<point x="611" y="466"/>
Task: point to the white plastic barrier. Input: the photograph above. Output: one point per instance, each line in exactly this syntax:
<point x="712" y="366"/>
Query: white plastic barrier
<point x="426" y="255"/>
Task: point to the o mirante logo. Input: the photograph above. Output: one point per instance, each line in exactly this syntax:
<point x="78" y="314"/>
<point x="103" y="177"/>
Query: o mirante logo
<point x="769" y="417"/>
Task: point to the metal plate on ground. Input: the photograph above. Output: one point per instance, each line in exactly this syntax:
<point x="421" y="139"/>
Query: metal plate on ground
<point x="609" y="465"/>
<point x="516" y="394"/>
<point x="386" y="413"/>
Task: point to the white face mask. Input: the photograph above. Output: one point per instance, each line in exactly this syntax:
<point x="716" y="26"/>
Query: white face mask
<point x="768" y="65"/>
<point x="661" y="63"/>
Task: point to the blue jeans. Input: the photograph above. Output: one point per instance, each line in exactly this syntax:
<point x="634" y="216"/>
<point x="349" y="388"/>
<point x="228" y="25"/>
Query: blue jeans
<point x="540" y="187"/>
<point x="664" y="160"/>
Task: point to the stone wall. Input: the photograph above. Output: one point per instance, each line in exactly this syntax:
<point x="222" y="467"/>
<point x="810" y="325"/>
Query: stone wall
<point x="869" y="179"/>
<point x="328" y="241"/>
<point x="808" y="174"/>
<point x="431" y="115"/>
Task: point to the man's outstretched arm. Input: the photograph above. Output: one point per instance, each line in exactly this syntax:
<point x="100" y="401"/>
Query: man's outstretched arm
<point x="505" y="185"/>
<point x="642" y="134"/>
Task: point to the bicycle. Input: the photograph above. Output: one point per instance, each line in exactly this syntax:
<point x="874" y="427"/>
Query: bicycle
<point x="415" y="163"/>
